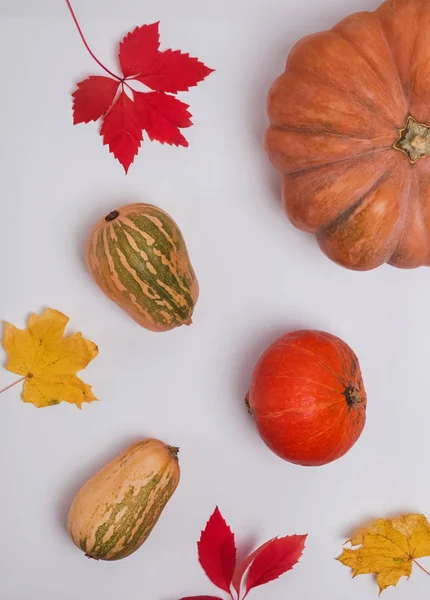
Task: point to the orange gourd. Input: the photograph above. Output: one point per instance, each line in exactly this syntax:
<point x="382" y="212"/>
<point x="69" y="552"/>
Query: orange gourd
<point x="350" y="132"/>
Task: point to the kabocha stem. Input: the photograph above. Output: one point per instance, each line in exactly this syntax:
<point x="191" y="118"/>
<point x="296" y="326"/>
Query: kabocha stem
<point x="422" y="568"/>
<point x="353" y="396"/>
<point x="86" y="44"/>
<point x="248" y="406"/>
<point x="12" y="384"/>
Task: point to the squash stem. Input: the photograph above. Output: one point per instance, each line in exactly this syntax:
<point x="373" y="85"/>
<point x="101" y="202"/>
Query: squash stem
<point x="422" y="568"/>
<point x="112" y="216"/>
<point x="174" y="451"/>
<point x="12" y="384"/>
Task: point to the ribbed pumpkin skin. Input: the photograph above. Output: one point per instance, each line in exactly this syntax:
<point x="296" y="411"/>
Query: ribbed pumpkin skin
<point x="336" y="113"/>
<point x="115" y="511"/>
<point x="307" y="398"/>
<point x="138" y="257"/>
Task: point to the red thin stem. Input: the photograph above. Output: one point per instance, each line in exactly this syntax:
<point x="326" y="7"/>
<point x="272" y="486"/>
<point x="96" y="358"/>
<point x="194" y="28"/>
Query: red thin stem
<point x="129" y="86"/>
<point x="16" y="383"/>
<point x="422" y="568"/>
<point x="86" y="44"/>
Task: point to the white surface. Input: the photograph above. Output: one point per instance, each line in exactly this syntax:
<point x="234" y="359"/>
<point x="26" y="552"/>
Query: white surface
<point x="259" y="278"/>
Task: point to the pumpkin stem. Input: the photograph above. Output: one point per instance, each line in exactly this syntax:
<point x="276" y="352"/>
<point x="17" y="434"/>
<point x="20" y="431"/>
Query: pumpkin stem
<point x="414" y="140"/>
<point x="353" y="396"/>
<point x="91" y="557"/>
<point x="112" y="216"/>
<point x="174" y="451"/>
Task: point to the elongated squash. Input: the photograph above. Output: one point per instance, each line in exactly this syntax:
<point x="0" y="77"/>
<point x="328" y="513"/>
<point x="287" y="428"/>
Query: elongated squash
<point x="138" y="257"/>
<point x="115" y="511"/>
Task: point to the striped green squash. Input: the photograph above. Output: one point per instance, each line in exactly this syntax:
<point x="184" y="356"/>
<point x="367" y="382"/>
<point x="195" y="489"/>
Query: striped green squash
<point x="115" y="511"/>
<point x="138" y="257"/>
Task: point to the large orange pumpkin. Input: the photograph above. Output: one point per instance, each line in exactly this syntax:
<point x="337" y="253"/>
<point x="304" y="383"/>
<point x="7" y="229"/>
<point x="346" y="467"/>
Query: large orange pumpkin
<point x="307" y="398"/>
<point x="350" y="133"/>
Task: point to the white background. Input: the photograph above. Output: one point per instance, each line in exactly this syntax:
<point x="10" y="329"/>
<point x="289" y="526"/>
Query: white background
<point x="259" y="278"/>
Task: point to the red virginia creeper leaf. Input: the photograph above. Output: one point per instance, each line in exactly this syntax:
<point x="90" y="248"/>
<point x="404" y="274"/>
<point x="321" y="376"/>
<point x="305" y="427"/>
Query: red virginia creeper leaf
<point x="278" y="557"/>
<point x="161" y="115"/>
<point x="122" y="131"/>
<point x="93" y="98"/>
<point x="174" y="72"/>
<point x="139" y="49"/>
<point x="243" y="566"/>
<point x="169" y="107"/>
<point x="217" y="551"/>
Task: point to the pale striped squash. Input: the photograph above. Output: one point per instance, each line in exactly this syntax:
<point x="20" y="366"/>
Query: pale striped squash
<point x="115" y="511"/>
<point x="138" y="257"/>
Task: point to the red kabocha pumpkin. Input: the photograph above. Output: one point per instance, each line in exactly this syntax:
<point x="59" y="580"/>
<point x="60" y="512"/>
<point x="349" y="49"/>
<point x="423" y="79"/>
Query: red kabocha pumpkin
<point x="349" y="131"/>
<point x="307" y="398"/>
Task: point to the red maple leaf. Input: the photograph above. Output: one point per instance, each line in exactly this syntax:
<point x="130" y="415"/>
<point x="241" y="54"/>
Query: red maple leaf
<point x="217" y="555"/>
<point x="127" y="113"/>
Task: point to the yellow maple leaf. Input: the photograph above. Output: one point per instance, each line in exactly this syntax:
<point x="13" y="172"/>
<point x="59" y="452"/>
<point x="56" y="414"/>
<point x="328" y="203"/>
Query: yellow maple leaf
<point x="48" y="361"/>
<point x="388" y="548"/>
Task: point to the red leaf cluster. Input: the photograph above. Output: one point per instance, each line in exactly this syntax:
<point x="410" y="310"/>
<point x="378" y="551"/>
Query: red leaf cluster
<point x="217" y="556"/>
<point x="127" y="113"/>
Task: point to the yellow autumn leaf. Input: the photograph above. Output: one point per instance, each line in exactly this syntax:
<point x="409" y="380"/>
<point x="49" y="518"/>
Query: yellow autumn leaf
<point x="48" y="361"/>
<point x="388" y="548"/>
